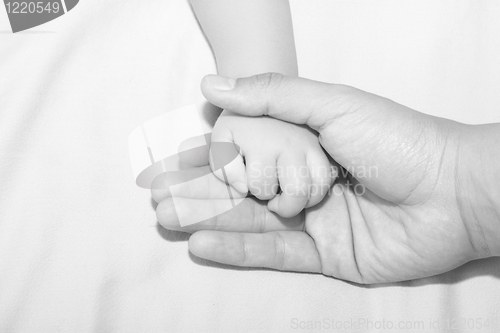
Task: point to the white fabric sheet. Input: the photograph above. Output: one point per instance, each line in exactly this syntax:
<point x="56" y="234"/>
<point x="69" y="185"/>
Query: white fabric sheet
<point x="80" y="248"/>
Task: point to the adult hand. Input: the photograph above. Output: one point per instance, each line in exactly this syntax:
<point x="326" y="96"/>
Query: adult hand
<point x="410" y="207"/>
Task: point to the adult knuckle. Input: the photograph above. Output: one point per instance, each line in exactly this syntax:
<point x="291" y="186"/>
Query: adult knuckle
<point x="259" y="218"/>
<point x="267" y="81"/>
<point x="279" y="251"/>
<point x="244" y="249"/>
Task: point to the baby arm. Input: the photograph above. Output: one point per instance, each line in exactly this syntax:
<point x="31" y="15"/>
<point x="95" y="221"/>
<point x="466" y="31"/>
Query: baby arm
<point x="250" y="37"/>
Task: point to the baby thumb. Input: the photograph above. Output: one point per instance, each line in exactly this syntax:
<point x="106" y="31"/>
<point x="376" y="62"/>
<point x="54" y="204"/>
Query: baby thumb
<point x="226" y="161"/>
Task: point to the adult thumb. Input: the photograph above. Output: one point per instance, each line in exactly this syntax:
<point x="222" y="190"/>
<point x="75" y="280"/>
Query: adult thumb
<point x="359" y="130"/>
<point x="292" y="99"/>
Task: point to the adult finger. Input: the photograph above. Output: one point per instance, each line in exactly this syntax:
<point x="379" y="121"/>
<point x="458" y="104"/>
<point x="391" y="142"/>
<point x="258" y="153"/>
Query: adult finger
<point x="297" y="100"/>
<point x="194" y="183"/>
<point x="281" y="250"/>
<point x="197" y="182"/>
<point x="250" y="215"/>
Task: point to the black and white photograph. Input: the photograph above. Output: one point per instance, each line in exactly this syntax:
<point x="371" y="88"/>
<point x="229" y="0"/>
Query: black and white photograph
<point x="249" y="166"/>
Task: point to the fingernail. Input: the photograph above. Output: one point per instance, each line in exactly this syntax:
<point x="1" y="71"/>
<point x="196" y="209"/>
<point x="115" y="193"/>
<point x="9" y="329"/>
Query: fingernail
<point x="272" y="205"/>
<point x="240" y="187"/>
<point x="221" y="82"/>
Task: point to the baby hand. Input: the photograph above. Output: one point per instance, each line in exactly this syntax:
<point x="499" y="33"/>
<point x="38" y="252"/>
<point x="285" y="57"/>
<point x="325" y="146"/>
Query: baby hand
<point x="278" y="161"/>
